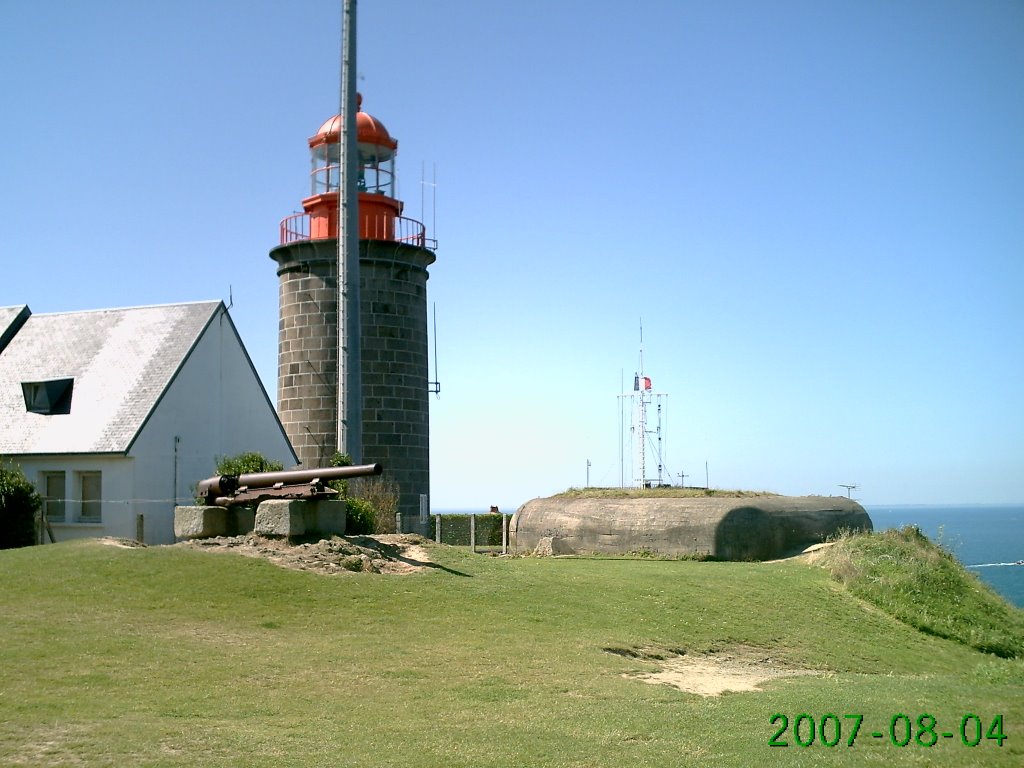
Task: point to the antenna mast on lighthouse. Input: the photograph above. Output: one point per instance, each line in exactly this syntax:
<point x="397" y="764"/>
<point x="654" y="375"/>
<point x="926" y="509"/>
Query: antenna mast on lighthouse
<point x="350" y="390"/>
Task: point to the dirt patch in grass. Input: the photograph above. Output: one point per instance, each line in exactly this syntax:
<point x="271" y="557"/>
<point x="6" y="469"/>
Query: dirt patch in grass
<point x="49" y="744"/>
<point x="383" y="553"/>
<point x="710" y="674"/>
<point x="113" y="541"/>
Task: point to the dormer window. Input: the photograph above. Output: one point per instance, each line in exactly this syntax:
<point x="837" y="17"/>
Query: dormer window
<point x="48" y="398"/>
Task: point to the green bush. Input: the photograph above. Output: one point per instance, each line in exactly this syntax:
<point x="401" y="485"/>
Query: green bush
<point x="362" y="518"/>
<point x="244" y="463"/>
<point x="19" y="504"/>
<point x="381" y="493"/>
<point x="372" y="501"/>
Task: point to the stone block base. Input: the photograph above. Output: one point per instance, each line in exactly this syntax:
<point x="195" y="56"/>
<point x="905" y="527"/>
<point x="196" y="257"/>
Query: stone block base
<point x="290" y="518"/>
<point x="200" y="522"/>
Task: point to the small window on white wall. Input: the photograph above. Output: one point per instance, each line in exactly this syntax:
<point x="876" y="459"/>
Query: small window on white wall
<point x="54" y="492"/>
<point x="90" y="493"/>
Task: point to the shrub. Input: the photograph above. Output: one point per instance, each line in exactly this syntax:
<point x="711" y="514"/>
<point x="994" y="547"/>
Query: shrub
<point x="372" y="501"/>
<point x="382" y="495"/>
<point x="244" y="463"/>
<point x="19" y="504"/>
<point x="362" y="518"/>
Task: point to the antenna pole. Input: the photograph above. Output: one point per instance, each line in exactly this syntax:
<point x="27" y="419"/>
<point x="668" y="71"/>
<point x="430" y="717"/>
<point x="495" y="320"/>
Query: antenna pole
<point x="661" y="457"/>
<point x="350" y="390"/>
<point x="622" y="388"/>
<point x="435" y="386"/>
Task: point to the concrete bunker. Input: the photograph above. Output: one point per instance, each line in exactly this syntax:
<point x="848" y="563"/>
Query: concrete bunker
<point x="719" y="527"/>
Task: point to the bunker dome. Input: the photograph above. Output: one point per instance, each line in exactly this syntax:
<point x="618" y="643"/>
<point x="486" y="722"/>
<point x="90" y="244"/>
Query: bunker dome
<point x="737" y="528"/>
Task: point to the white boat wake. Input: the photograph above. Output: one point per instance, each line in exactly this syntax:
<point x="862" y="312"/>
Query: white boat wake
<point x="995" y="565"/>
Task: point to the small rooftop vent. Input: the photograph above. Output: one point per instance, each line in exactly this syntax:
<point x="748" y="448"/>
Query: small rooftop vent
<point x="50" y="398"/>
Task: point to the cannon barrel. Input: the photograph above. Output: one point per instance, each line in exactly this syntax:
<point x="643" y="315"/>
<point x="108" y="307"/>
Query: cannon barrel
<point x="298" y="476"/>
<point x="226" y="485"/>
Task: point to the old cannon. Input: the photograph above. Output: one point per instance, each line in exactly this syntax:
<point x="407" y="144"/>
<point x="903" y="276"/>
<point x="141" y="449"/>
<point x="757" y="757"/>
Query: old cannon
<point x="254" y="487"/>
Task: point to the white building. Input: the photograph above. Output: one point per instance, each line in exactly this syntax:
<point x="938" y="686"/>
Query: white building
<point x="117" y="413"/>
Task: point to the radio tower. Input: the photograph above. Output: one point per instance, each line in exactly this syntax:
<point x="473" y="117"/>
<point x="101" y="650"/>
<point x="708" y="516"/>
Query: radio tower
<point x="641" y="398"/>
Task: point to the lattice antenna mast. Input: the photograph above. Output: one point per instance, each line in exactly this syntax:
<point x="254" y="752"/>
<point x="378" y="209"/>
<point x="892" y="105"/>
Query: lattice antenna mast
<point x="640" y="399"/>
<point x="641" y="415"/>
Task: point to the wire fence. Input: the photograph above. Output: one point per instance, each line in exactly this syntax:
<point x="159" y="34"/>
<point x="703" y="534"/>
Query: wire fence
<point x="483" y="532"/>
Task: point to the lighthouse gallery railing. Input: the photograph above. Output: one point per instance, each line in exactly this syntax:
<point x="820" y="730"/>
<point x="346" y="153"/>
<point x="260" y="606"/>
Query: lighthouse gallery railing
<point x="295" y="228"/>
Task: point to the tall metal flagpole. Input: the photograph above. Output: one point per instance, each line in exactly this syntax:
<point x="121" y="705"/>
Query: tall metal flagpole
<point x="350" y="390"/>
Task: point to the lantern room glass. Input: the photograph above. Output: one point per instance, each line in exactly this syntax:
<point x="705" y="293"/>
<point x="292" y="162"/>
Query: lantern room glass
<point x="376" y="176"/>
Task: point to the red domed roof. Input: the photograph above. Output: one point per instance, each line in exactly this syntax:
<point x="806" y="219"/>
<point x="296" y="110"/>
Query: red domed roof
<point x="369" y="130"/>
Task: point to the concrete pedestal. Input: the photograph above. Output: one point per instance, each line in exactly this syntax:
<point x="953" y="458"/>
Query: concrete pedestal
<point x="200" y="522"/>
<point x="289" y="518"/>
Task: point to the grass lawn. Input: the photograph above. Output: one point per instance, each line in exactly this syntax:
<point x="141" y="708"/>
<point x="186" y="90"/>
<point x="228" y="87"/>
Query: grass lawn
<point x="168" y="657"/>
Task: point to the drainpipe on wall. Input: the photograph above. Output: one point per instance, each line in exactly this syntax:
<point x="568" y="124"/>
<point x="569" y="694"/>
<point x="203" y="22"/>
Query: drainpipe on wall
<point x="177" y="440"/>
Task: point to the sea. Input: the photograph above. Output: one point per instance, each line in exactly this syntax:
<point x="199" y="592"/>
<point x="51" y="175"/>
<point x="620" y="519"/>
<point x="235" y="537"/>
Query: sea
<point x="988" y="539"/>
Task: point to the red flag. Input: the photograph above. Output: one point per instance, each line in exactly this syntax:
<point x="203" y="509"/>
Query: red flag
<point x="647" y="382"/>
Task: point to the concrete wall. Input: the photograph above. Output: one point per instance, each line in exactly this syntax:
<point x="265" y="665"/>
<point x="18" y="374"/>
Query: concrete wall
<point x="754" y="528"/>
<point x="393" y="317"/>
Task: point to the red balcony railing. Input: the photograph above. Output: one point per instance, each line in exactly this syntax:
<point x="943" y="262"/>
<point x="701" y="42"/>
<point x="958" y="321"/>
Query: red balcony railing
<point x="397" y="229"/>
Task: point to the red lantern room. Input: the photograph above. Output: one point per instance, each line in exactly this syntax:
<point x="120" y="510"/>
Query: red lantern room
<point x="378" y="207"/>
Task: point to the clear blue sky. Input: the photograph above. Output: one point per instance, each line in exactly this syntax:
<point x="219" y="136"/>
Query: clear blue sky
<point x="816" y="208"/>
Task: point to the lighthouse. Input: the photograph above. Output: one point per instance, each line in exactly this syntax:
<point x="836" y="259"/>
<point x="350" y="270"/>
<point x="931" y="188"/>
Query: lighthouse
<point x="394" y="253"/>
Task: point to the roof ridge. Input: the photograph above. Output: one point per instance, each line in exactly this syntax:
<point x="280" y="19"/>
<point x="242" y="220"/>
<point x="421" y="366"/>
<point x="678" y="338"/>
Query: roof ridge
<point x="212" y="302"/>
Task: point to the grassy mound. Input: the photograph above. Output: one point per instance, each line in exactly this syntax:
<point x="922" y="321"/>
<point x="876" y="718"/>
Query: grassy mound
<point x="658" y="493"/>
<point x="911" y="578"/>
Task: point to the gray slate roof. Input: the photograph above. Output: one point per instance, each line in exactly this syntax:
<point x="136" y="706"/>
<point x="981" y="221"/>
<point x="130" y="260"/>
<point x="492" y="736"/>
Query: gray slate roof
<point x="122" y="361"/>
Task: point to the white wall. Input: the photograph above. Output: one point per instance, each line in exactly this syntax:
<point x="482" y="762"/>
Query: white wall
<point x="215" y="407"/>
<point x="117" y="512"/>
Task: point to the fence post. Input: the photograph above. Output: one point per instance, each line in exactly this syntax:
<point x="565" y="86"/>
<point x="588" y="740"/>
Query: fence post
<point x="140" y="528"/>
<point x="472" y="533"/>
<point x="504" y="534"/>
<point x="398" y="522"/>
<point x="437" y="528"/>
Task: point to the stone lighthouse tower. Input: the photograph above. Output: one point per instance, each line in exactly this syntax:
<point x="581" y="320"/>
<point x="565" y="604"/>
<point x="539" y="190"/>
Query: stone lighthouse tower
<point x="394" y="254"/>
